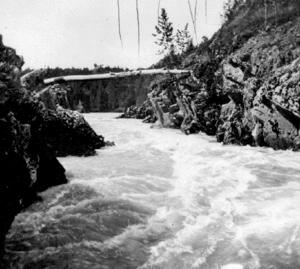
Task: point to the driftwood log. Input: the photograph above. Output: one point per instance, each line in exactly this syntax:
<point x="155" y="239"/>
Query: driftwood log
<point x="114" y="75"/>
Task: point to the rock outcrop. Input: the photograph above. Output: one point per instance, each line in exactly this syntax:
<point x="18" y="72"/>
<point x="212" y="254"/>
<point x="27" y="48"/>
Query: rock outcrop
<point x="31" y="139"/>
<point x="55" y="96"/>
<point x="66" y="131"/>
<point x="245" y="89"/>
<point x="28" y="167"/>
<point x="262" y="80"/>
<point x="144" y="112"/>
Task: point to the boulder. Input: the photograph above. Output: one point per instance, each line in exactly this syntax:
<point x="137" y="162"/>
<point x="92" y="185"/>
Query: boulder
<point x="66" y="132"/>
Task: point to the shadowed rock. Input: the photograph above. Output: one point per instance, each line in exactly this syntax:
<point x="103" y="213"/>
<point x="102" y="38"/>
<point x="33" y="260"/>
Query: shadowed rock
<point x="28" y="163"/>
<point x="245" y="94"/>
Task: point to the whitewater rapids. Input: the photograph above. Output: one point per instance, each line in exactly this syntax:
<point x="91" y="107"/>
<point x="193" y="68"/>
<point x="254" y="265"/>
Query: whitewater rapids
<point x="161" y="199"/>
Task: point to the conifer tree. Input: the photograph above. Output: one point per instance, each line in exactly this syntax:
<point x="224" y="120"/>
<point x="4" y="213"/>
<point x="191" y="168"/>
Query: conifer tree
<point x="164" y="33"/>
<point x="183" y="40"/>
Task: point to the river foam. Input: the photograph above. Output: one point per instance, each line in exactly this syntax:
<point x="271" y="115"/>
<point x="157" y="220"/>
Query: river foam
<point x="161" y="199"/>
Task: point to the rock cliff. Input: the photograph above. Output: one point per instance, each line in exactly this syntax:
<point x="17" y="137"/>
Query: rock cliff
<point x="31" y="139"/>
<point x="26" y="168"/>
<point x="244" y="87"/>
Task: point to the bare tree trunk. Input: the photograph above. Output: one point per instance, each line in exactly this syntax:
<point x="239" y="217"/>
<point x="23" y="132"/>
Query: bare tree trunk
<point x="265" y="1"/>
<point x="275" y="8"/>
<point x="193" y="20"/>
<point x="246" y="12"/>
<point x="114" y="75"/>
<point x="158" y="9"/>
<point x="138" y="22"/>
<point x="159" y="112"/>
<point x="206" y="10"/>
<point x="195" y="14"/>
<point x="119" y="19"/>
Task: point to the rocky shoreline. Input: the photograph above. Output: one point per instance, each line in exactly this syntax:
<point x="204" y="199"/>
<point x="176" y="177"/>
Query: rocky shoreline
<point x="244" y="89"/>
<point x="32" y="139"/>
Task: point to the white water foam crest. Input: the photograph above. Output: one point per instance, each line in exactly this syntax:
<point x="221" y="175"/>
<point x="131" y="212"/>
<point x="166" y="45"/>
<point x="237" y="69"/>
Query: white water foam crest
<point x="209" y="182"/>
<point x="206" y="205"/>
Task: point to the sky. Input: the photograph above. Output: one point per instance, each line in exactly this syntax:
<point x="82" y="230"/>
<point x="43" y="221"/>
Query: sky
<point x="80" y="33"/>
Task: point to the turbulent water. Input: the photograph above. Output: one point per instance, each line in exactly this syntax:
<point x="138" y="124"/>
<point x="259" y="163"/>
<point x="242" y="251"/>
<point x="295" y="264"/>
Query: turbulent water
<point x="160" y="199"/>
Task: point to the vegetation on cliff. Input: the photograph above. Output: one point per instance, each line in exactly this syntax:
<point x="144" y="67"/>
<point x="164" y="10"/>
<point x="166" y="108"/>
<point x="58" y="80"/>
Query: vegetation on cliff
<point x="245" y="83"/>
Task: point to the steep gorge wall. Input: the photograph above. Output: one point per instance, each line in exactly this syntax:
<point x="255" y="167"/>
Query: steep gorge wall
<point x="109" y="95"/>
<point x="265" y="74"/>
<point x="244" y="87"/>
<point x="97" y="96"/>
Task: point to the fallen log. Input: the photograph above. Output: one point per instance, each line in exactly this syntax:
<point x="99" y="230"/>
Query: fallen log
<point x="114" y="75"/>
<point x="291" y="116"/>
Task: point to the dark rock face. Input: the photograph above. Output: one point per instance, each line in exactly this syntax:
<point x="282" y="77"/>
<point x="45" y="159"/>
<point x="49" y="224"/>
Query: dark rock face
<point x="131" y="112"/>
<point x="66" y="132"/>
<point x="145" y="112"/>
<point x="14" y="169"/>
<point x="55" y="97"/>
<point x="264" y="73"/>
<point x="26" y="167"/>
<point x="32" y="137"/>
<point x="27" y="156"/>
<point x="245" y="95"/>
<point x="183" y="103"/>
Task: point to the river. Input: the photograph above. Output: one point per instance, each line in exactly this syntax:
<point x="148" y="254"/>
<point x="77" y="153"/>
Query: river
<point x="161" y="199"/>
